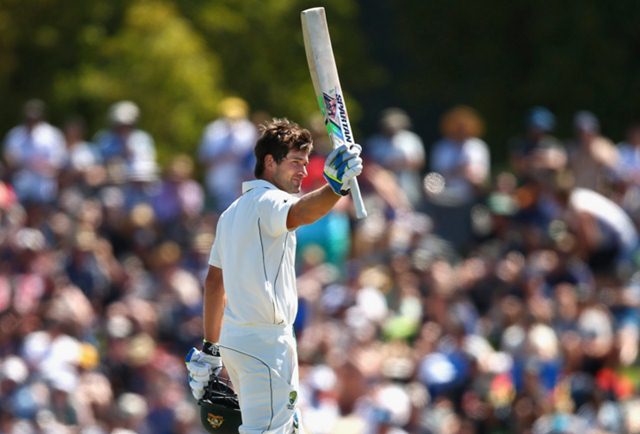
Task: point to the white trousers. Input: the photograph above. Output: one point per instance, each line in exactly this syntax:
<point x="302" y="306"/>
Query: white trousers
<point x="263" y="366"/>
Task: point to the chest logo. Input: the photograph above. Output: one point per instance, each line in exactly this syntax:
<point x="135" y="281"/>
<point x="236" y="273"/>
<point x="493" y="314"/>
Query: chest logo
<point x="293" y="397"/>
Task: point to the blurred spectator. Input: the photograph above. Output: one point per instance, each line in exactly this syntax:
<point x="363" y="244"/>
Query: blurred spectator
<point x="627" y="186"/>
<point x="459" y="169"/>
<point x="35" y="152"/>
<point x="132" y="410"/>
<point x="142" y="184"/>
<point x="629" y="152"/>
<point x="179" y="195"/>
<point x="533" y="327"/>
<point x="592" y="157"/>
<point x="226" y="151"/>
<point x="605" y="234"/>
<point x="83" y="155"/>
<point x="399" y="150"/>
<point x="83" y="170"/>
<point x="537" y="154"/>
<point x="461" y="157"/>
<point x="123" y="147"/>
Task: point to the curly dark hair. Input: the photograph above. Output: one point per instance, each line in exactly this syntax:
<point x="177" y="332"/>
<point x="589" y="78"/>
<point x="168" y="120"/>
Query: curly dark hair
<point x="278" y="137"/>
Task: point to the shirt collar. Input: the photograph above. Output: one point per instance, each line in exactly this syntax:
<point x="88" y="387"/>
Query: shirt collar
<point x="256" y="183"/>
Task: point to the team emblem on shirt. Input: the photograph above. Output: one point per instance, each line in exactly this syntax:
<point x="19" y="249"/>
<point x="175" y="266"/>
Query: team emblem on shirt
<point x="293" y="397"/>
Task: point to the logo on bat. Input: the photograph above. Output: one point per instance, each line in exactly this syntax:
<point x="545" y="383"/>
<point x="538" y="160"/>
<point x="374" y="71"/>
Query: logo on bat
<point x="344" y="121"/>
<point x="329" y="105"/>
<point x="335" y="114"/>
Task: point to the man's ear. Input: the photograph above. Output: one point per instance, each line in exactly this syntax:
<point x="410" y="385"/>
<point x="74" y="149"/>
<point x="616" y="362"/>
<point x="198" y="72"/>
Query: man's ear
<point x="269" y="161"/>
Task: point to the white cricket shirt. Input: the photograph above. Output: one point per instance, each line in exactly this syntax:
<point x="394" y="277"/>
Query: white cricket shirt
<point x="256" y="253"/>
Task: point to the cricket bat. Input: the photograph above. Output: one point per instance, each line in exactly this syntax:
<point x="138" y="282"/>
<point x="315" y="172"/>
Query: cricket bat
<point x="326" y="84"/>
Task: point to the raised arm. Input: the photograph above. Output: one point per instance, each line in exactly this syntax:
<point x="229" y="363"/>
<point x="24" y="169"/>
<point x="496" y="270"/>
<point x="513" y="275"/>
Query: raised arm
<point x="341" y="165"/>
<point x="311" y="207"/>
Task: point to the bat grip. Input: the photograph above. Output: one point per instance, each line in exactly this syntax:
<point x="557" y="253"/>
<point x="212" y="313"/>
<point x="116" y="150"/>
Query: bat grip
<point x="358" y="203"/>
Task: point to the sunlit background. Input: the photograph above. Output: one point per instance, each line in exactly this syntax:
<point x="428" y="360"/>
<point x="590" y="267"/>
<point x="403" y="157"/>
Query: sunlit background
<point x="177" y="59"/>
<point x="492" y="289"/>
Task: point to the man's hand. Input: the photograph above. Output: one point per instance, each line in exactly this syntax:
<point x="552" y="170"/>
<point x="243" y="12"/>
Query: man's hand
<point x="342" y="165"/>
<point x="201" y="365"/>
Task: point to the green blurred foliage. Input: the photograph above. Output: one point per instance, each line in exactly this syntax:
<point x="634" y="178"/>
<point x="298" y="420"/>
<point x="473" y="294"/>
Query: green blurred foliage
<point x="178" y="58"/>
<point x="159" y="61"/>
<point x="175" y="59"/>
<point x="260" y="42"/>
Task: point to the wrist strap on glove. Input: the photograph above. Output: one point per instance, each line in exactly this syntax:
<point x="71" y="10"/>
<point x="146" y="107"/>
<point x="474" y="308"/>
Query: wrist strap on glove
<point x="213" y="349"/>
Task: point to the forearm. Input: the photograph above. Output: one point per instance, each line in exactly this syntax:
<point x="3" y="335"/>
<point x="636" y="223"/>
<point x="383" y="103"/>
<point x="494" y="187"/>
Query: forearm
<point x="214" y="301"/>
<point x="386" y="186"/>
<point x="311" y="207"/>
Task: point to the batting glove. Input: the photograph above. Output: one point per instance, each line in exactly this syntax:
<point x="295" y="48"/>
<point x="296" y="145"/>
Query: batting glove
<point x="342" y="165"/>
<point x="201" y="366"/>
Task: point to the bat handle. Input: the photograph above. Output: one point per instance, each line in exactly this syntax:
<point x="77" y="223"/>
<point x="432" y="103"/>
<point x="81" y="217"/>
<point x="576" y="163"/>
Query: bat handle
<point x="361" y="211"/>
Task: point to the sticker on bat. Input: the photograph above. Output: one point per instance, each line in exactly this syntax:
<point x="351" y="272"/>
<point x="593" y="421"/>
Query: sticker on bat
<point x="335" y="117"/>
<point x="344" y="120"/>
<point x="329" y="112"/>
<point x="333" y="129"/>
<point x="330" y="106"/>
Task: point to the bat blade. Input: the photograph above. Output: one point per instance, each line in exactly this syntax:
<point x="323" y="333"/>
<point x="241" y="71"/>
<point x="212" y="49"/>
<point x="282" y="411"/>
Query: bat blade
<point x="326" y="84"/>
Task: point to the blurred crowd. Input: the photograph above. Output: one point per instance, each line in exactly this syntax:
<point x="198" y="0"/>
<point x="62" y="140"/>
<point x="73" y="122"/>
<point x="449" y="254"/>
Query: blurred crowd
<point x="471" y="300"/>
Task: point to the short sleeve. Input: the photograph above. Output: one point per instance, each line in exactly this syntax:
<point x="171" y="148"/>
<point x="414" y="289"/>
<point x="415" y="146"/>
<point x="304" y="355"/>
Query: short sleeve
<point x="273" y="209"/>
<point x="215" y="258"/>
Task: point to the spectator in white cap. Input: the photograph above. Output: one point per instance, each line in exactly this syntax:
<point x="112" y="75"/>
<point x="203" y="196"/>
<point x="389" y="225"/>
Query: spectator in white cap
<point x="124" y="142"/>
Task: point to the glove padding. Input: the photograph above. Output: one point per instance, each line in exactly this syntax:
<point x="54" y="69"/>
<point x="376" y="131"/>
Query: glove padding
<point x="342" y="165"/>
<point x="201" y="367"/>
